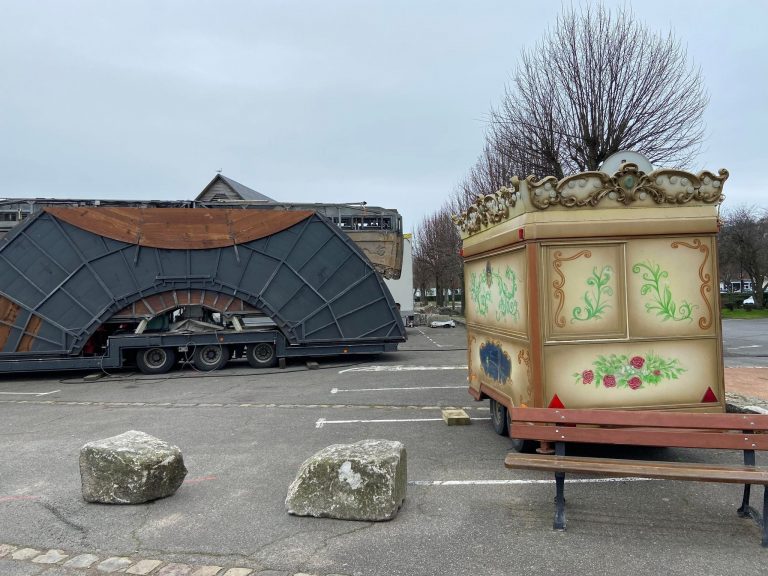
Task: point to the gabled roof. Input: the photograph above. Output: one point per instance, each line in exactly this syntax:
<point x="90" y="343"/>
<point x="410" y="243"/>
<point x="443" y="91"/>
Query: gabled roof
<point x="238" y="189"/>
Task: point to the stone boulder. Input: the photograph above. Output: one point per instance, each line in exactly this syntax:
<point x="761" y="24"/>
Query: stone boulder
<point x="130" y="468"/>
<point x="362" y="481"/>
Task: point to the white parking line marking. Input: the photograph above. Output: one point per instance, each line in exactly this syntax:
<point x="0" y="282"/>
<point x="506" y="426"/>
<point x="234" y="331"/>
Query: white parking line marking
<point x="430" y="339"/>
<point x="30" y="393"/>
<point x="401" y="368"/>
<point x="337" y="390"/>
<point x="509" y="482"/>
<point x="322" y="421"/>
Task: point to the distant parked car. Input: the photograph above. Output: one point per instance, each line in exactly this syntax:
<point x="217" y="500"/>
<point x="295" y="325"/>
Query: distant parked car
<point x="442" y="324"/>
<point x="750" y="300"/>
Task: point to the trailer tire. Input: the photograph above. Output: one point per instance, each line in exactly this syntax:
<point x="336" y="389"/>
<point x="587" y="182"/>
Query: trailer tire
<point x="261" y="355"/>
<point x="518" y="445"/>
<point x="155" y="360"/>
<point x="210" y="357"/>
<point x="499" y="417"/>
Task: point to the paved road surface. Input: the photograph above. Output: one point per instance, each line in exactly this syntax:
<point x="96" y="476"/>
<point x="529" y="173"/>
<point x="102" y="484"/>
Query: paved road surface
<point x="245" y="432"/>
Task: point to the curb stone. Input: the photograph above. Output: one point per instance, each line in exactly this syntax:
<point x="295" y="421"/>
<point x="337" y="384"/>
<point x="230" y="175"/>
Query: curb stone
<point x="91" y="564"/>
<point x="744" y="404"/>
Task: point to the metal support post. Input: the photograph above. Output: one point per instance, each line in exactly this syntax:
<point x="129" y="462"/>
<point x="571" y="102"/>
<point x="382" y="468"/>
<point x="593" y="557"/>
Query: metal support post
<point x="559" y="523"/>
<point x="749" y="460"/>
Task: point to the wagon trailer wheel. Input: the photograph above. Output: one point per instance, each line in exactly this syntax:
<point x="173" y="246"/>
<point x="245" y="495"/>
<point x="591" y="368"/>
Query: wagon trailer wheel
<point x="261" y="355"/>
<point x="155" y="360"/>
<point x="499" y="417"/>
<point x="210" y="357"/>
<point x="518" y="445"/>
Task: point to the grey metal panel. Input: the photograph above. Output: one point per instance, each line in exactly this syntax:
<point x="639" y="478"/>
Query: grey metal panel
<point x="203" y="262"/>
<point x="85" y="243"/>
<point x="310" y="278"/>
<point x="49" y="339"/>
<point x="17" y="286"/>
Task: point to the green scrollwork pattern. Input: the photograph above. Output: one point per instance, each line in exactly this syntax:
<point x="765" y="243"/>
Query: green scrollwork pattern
<point x="595" y="302"/>
<point x="480" y="293"/>
<point x="507" y="300"/>
<point x="660" y="295"/>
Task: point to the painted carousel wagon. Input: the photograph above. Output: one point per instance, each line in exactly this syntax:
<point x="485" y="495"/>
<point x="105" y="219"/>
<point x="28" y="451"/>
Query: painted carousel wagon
<point x="595" y="291"/>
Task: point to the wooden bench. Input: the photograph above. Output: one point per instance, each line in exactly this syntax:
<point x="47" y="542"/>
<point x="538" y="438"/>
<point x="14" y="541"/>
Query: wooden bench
<point x="747" y="432"/>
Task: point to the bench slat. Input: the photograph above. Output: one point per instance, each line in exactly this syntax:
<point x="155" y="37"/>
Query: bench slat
<point x="653" y="418"/>
<point x="638" y="468"/>
<point x="640" y="436"/>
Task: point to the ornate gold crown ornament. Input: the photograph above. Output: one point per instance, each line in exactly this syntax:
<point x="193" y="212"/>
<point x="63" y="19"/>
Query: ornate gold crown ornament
<point x="628" y="186"/>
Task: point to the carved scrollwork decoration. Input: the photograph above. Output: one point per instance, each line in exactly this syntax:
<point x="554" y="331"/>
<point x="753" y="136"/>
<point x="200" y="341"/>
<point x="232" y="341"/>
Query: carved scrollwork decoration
<point x="628" y="185"/>
<point x="588" y="189"/>
<point x="489" y="209"/>
<point x="705" y="322"/>
<point x="559" y="283"/>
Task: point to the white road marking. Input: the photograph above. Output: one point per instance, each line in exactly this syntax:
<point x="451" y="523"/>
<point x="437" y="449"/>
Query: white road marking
<point x="30" y="393"/>
<point x="511" y="482"/>
<point x="742" y="347"/>
<point x="322" y="421"/>
<point x="430" y="339"/>
<point x="337" y="390"/>
<point x="401" y="368"/>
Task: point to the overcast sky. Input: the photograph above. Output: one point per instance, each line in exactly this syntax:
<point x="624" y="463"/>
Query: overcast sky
<point x="313" y="101"/>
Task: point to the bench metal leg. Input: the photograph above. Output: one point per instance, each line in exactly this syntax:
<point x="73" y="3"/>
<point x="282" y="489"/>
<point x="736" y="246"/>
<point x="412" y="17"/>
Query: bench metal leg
<point x="746" y="511"/>
<point x="749" y="460"/>
<point x="764" y="541"/>
<point x="743" y="512"/>
<point x="559" y="523"/>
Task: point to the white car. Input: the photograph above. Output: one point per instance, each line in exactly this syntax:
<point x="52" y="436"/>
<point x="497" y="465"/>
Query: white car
<point x="442" y="324"/>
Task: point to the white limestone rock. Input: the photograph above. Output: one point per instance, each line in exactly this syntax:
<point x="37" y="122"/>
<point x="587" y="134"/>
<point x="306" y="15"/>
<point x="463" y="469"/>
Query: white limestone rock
<point x="362" y="481"/>
<point x="130" y="468"/>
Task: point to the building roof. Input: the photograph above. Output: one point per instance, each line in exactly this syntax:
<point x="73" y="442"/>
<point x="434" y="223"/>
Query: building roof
<point x="240" y="190"/>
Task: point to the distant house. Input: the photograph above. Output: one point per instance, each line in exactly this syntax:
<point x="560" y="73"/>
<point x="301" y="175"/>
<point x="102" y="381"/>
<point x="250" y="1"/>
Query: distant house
<point x="223" y="189"/>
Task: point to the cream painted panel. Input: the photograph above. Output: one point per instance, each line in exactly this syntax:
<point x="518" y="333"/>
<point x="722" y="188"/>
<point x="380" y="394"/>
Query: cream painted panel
<point x="585" y="291"/>
<point x="503" y="365"/>
<point x="495" y="288"/>
<point x="670" y="287"/>
<point x="637" y="374"/>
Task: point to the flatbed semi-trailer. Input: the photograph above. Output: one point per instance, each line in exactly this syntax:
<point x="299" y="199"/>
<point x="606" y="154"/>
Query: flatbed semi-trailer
<point x="84" y="288"/>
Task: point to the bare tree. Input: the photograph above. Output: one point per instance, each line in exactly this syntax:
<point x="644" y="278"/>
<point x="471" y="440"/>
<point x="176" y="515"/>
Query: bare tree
<point x="436" y="254"/>
<point x="492" y="170"/>
<point x="599" y="82"/>
<point x="422" y="274"/>
<point x="743" y="246"/>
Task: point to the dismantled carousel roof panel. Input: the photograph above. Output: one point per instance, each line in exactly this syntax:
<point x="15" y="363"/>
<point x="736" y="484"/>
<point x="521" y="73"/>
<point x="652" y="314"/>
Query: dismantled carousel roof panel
<point x="65" y="272"/>
<point x="179" y="228"/>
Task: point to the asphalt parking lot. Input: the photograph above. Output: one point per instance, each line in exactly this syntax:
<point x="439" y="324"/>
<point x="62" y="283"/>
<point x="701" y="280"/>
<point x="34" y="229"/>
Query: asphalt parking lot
<point x="244" y="432"/>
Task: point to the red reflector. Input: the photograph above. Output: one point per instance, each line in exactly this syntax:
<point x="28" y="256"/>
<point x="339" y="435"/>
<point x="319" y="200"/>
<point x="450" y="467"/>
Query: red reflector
<point x="461" y="252"/>
<point x="709" y="396"/>
<point x="520" y="234"/>
<point x="556" y="402"/>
